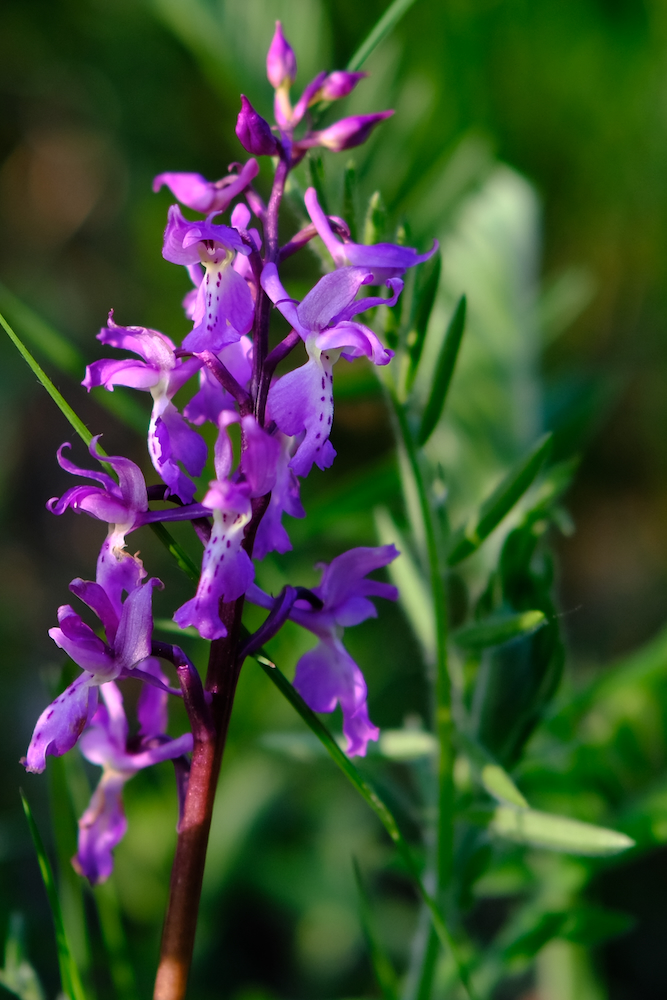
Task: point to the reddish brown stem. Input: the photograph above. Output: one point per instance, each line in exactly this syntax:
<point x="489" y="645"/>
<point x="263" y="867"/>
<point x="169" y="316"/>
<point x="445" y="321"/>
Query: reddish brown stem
<point x="178" y="935"/>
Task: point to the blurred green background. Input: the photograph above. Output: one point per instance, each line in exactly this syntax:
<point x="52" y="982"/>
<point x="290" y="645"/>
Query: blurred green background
<point x="531" y="139"/>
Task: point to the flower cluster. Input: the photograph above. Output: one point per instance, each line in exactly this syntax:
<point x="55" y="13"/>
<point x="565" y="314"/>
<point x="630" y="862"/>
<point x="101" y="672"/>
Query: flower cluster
<point x="284" y="426"/>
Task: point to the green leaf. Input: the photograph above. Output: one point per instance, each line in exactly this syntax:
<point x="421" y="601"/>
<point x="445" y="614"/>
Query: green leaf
<point x="497" y="629"/>
<point x="490" y="774"/>
<point x="372" y="799"/>
<point x="508" y="492"/>
<point x="557" y="833"/>
<point x="55" y="395"/>
<point x="382" y="967"/>
<point x="68" y="359"/>
<point x="387" y="23"/>
<point x="69" y="974"/>
<point x="316" y="170"/>
<point x="407" y="744"/>
<point x="428" y="279"/>
<point x="444" y="369"/>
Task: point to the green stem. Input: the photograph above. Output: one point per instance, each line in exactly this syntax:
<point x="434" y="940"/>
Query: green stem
<point x="443" y="704"/>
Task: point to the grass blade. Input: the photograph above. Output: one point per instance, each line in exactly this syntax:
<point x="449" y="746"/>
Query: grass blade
<point x="383" y="813"/>
<point x="183" y="560"/>
<point x="67" y="358"/>
<point x="387" y="23"/>
<point x="444" y="369"/>
<point x="469" y="538"/>
<point x="69" y="974"/>
<point x="557" y="833"/>
<point x="382" y="967"/>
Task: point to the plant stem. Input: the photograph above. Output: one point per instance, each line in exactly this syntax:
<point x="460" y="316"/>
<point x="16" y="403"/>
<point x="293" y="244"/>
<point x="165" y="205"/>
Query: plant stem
<point x="443" y="709"/>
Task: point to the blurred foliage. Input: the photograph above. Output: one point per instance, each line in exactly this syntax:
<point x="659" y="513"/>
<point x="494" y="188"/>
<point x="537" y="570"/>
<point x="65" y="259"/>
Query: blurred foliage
<point x="530" y="140"/>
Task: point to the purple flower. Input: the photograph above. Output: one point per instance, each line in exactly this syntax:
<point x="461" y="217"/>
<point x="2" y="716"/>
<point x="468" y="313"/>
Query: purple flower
<point x="170" y="440"/>
<point x="386" y="260"/>
<point x="339" y="84"/>
<point x="254" y="132"/>
<point x="227" y="570"/>
<point x="301" y="402"/>
<point x="197" y="193"/>
<point x="224" y="307"/>
<point x="271" y="535"/>
<point x="280" y="60"/>
<point x="128" y="643"/>
<point x="105" y="743"/>
<point x="344" y="134"/>
<point x="327" y="675"/>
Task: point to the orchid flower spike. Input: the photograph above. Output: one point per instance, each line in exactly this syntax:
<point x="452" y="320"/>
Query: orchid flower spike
<point x="301" y="402"/>
<point x="224" y="307"/>
<point x="385" y="260"/>
<point x="105" y="743"/>
<point x="327" y="675"/>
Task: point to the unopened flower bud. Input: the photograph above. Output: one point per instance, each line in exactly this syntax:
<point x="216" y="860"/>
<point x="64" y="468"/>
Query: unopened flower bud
<point x="254" y="132"/>
<point x="280" y="60"/>
<point x="339" y="84"/>
<point x="349" y="132"/>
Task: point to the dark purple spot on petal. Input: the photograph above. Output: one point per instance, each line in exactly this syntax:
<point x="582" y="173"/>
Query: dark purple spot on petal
<point x="317" y="436"/>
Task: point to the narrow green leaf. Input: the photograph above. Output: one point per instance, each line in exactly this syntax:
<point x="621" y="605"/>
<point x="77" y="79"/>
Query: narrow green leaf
<point x="498" y="783"/>
<point x="183" y="560"/>
<point x="69" y="974"/>
<point x="428" y="279"/>
<point x="508" y="492"/>
<point x="557" y="833"/>
<point x="383" y="813"/>
<point x="375" y="220"/>
<point x="497" y="629"/>
<point x="55" y="395"/>
<point x="382" y="967"/>
<point x="387" y="23"/>
<point x="407" y="744"/>
<point x="350" y="198"/>
<point x="444" y="369"/>
<point x="68" y="359"/>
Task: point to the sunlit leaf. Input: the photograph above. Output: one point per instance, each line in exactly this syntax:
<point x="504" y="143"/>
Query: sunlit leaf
<point x="557" y="833"/>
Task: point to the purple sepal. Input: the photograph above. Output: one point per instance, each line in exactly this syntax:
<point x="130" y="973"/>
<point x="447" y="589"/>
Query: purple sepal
<point x="170" y="440"/>
<point x="260" y="457"/>
<point x="346" y="133"/>
<point x="227" y="570"/>
<point x="327" y="676"/>
<point x="103" y="824"/>
<point x="254" y="132"/>
<point x="223" y="310"/>
<point x="61" y="723"/>
<point x="280" y="60"/>
<point x="301" y="402"/>
<point x="197" y="193"/>
<point x="385" y="260"/>
<point x="271" y="535"/>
